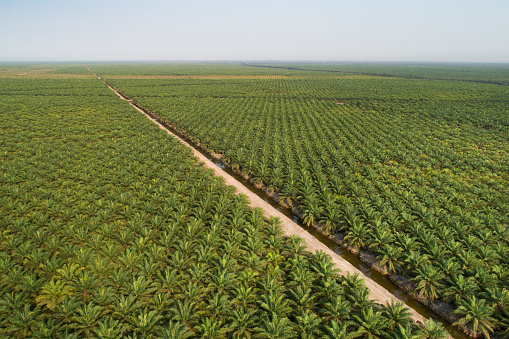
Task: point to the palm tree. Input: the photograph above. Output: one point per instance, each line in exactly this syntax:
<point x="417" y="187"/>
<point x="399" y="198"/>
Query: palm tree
<point x="211" y="328"/>
<point x="275" y="328"/>
<point x="303" y="299"/>
<point x="371" y="324"/>
<point x="310" y="212"/>
<point x="357" y="235"/>
<point x="174" y="330"/>
<point x="459" y="288"/>
<point x="381" y="236"/>
<point x="343" y="331"/>
<point x="87" y="320"/>
<point x="295" y="246"/>
<point x="360" y="299"/>
<point x="110" y="329"/>
<point x="428" y="282"/>
<point x="125" y="307"/>
<point x="184" y="311"/>
<point x="145" y="322"/>
<point x="308" y="325"/>
<point x="330" y="219"/>
<point x="432" y="330"/>
<point x="404" y="332"/>
<point x="23" y="322"/>
<point x="244" y="295"/>
<point x="53" y="294"/>
<point x="337" y="309"/>
<point x="217" y="305"/>
<point x="397" y="314"/>
<point x="242" y="322"/>
<point x="497" y="297"/>
<point x="474" y="313"/>
<point x="323" y="266"/>
<point x="275" y="303"/>
<point x="391" y="258"/>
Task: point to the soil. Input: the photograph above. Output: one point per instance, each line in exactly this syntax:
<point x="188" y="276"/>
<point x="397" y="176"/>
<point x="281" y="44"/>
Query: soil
<point x="377" y="292"/>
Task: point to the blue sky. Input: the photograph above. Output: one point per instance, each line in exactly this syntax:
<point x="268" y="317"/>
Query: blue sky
<point x="357" y="30"/>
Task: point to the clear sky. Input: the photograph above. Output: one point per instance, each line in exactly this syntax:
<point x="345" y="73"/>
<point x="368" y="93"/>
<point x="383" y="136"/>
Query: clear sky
<point x="355" y="30"/>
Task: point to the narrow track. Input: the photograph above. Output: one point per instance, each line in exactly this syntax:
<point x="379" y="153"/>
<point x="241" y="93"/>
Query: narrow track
<point x="377" y="292"/>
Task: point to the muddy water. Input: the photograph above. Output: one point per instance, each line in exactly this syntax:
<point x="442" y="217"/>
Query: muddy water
<point x="351" y="258"/>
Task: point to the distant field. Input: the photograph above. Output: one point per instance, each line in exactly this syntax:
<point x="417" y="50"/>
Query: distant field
<point x="409" y="163"/>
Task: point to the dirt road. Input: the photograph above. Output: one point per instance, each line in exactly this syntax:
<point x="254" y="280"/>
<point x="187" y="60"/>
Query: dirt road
<point x="377" y="292"/>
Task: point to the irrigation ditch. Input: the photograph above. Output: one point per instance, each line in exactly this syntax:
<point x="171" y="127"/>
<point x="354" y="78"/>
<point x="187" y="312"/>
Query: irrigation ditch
<point x="388" y="287"/>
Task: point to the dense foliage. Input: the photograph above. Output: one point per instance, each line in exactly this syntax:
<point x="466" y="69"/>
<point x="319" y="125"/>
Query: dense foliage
<point x="109" y="228"/>
<point x="413" y="170"/>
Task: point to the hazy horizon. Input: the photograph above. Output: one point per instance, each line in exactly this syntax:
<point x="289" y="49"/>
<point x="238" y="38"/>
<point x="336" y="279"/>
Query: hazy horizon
<point x="433" y="31"/>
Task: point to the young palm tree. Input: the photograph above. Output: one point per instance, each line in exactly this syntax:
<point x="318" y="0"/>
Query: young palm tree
<point x="242" y="322"/>
<point x="391" y="258"/>
<point x="53" y="294"/>
<point x="86" y="321"/>
<point x="343" y="331"/>
<point x="145" y="322"/>
<point x="211" y="328"/>
<point x="432" y="330"/>
<point x="460" y="288"/>
<point x="357" y="235"/>
<point x="308" y="325"/>
<point x="337" y="310"/>
<point x="174" y="330"/>
<point x="110" y="329"/>
<point x="23" y="322"/>
<point x="429" y="281"/>
<point x="474" y="313"/>
<point x="397" y="314"/>
<point x="275" y="328"/>
<point x="371" y="324"/>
